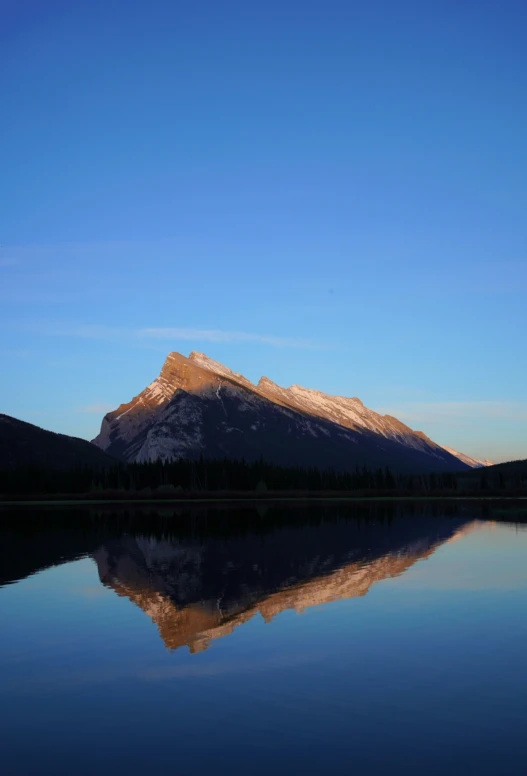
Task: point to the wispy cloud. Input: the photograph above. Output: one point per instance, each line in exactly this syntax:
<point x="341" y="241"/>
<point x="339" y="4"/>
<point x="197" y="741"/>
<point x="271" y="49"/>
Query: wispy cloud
<point x="149" y="334"/>
<point x="439" y="412"/>
<point x="97" y="408"/>
<point x="218" y="335"/>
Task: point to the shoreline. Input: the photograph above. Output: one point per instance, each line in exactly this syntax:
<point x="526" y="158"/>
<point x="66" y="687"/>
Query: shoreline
<point x="253" y="499"/>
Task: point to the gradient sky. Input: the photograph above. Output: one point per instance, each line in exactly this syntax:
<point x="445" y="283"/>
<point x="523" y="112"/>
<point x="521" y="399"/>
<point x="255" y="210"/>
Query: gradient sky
<point x="328" y="193"/>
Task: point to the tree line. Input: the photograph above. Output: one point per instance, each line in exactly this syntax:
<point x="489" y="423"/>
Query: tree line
<point x="190" y="477"/>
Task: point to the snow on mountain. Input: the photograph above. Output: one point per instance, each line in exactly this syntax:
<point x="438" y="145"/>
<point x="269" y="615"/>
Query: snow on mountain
<point x="197" y="405"/>
<point x="474" y="463"/>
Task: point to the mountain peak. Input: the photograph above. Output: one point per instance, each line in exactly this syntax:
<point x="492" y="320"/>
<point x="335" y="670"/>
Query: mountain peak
<point x="198" y="406"/>
<point x="264" y="381"/>
<point x="202" y="360"/>
<point x="195" y="355"/>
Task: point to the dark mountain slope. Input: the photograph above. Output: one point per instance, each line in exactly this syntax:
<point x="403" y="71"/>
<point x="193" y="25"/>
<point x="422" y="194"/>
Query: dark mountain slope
<point x="24" y="444"/>
<point x="197" y="406"/>
<point x="512" y="474"/>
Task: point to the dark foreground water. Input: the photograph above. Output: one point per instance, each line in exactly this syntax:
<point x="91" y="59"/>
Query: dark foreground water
<point x="387" y="639"/>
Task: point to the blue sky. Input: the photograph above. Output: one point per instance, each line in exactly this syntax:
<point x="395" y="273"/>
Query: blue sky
<point x="328" y="193"/>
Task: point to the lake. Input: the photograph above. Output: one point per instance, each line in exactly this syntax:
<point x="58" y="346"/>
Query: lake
<point x="381" y="638"/>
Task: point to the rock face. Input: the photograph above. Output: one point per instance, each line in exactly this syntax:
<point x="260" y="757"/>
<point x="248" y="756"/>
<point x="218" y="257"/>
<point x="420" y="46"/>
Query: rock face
<point x="198" y="406"/>
<point x="196" y="592"/>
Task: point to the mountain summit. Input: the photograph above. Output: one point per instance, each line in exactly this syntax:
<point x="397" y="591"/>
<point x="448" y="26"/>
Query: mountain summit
<point x="198" y="406"/>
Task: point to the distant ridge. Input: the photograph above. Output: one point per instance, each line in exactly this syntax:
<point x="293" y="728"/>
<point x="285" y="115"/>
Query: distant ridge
<point x="500" y="472"/>
<point x="23" y="444"/>
<point x="198" y="406"/>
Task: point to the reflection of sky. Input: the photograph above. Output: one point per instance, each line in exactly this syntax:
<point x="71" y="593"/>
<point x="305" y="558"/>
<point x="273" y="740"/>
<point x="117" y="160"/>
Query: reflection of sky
<point x="434" y="655"/>
<point x="67" y="608"/>
<point x="491" y="557"/>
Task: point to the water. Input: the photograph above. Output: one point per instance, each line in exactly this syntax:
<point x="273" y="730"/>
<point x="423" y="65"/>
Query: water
<point x="330" y="640"/>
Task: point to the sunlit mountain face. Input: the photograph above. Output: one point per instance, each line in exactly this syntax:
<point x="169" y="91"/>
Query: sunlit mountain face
<point x="197" y="406"/>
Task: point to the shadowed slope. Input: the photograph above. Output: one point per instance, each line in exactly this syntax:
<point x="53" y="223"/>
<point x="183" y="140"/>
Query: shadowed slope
<point x="23" y="444"/>
<point x="197" y="406"/>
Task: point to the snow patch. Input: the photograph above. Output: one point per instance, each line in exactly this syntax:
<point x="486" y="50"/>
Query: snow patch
<point x="474" y="463"/>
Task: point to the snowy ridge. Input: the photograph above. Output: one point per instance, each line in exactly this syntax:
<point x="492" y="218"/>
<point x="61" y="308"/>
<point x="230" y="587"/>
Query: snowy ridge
<point x="474" y="463"/>
<point x="198" y="406"/>
<point x="348" y="412"/>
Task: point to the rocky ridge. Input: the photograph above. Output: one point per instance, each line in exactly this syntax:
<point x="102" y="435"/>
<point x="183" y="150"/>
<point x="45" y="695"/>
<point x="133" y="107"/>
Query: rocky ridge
<point x="197" y="405"/>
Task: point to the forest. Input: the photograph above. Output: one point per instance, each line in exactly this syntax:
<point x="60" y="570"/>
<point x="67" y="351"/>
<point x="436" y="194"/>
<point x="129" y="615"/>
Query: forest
<point x="223" y="478"/>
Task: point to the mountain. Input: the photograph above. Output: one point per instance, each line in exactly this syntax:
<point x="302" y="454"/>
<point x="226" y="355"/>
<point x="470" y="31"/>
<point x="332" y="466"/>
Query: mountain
<point x="474" y="463"/>
<point x="24" y="444"/>
<point x="198" y="406"/>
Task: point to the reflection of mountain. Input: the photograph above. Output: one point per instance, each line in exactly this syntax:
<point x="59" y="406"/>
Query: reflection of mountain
<point x="196" y="591"/>
<point x="28" y="549"/>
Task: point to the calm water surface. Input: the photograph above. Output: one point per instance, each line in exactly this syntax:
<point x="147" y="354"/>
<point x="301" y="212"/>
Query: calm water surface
<point x="271" y="641"/>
